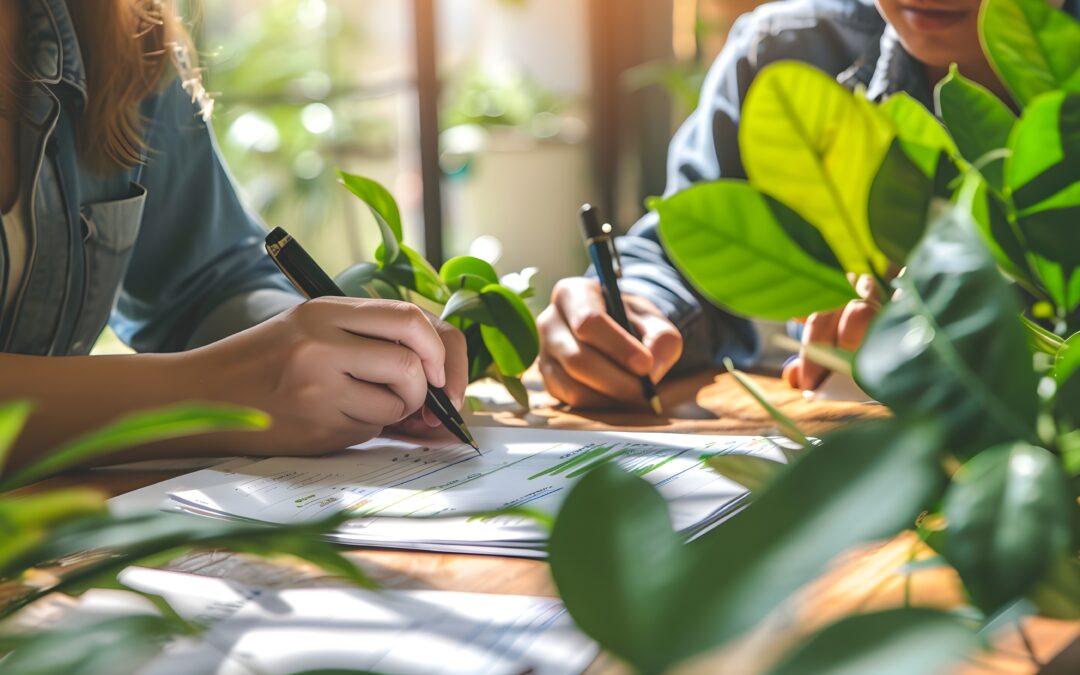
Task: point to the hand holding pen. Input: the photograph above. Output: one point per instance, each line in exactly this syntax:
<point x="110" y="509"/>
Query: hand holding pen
<point x="404" y="341"/>
<point x="587" y="358"/>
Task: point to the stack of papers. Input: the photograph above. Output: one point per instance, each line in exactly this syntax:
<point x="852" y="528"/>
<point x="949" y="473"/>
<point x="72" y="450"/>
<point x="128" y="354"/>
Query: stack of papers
<point x="256" y="631"/>
<point x="424" y="497"/>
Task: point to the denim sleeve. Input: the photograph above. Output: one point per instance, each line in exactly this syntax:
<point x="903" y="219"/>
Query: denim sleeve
<point x="199" y="271"/>
<point x="705" y="148"/>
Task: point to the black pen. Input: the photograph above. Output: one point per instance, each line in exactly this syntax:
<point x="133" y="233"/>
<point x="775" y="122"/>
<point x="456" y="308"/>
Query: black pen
<point x="602" y="251"/>
<point x="308" y="278"/>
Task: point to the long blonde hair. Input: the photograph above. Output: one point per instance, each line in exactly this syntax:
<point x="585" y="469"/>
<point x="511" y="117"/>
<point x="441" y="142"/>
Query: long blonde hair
<point x="128" y="49"/>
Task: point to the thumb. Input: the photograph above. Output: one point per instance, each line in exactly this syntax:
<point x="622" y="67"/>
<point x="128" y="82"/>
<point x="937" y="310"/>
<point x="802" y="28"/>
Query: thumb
<point x="663" y="340"/>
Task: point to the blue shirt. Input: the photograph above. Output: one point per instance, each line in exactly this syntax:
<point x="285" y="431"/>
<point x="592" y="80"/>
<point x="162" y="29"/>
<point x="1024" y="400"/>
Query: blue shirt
<point x="845" y="38"/>
<point x="165" y="252"/>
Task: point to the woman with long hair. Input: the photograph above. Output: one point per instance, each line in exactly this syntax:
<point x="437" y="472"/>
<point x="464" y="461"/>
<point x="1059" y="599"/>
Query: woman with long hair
<point x="117" y="208"/>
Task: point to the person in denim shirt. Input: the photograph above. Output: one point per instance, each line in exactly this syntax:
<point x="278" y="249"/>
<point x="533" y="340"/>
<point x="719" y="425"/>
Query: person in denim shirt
<point x="899" y="45"/>
<point x="122" y="212"/>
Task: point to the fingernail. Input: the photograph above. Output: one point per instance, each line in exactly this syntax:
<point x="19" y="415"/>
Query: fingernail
<point x="440" y="379"/>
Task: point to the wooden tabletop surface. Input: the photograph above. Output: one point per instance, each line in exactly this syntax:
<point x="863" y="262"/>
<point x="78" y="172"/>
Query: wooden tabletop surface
<point x="863" y="580"/>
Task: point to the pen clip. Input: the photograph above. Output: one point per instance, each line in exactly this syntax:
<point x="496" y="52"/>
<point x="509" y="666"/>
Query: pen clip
<point x="616" y="260"/>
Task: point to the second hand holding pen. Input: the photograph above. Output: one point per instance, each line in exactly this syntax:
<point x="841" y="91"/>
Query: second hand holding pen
<point x="308" y="278"/>
<point x="602" y="251"/>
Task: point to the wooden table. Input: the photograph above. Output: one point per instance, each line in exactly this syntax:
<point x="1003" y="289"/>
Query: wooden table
<point x="864" y="580"/>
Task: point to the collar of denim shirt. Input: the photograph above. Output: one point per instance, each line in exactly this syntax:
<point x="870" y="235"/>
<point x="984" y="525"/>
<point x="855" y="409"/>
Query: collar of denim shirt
<point x="52" y="54"/>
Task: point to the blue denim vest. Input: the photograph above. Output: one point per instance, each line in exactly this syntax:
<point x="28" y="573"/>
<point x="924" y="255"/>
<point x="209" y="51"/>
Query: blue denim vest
<point x="164" y="251"/>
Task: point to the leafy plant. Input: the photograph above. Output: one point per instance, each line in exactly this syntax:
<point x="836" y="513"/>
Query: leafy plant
<point x="499" y="327"/>
<point x="40" y="528"/>
<point x="982" y="379"/>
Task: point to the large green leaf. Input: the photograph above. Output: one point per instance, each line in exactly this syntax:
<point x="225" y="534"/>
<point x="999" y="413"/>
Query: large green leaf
<point x="951" y="344"/>
<point x="1008" y="514"/>
<point x="726" y="237"/>
<point x="1045" y="151"/>
<point x="997" y="232"/>
<point x="917" y="128"/>
<point x="630" y="585"/>
<point x="899" y="204"/>
<point x="512" y="338"/>
<point x="470" y="273"/>
<point x="1034" y="47"/>
<point x="892" y="642"/>
<point x="119" y="645"/>
<point x="138" y="429"/>
<point x="383" y="207"/>
<point x="816" y="147"/>
<point x="979" y="122"/>
<point x="13" y="417"/>
<point x="412" y="271"/>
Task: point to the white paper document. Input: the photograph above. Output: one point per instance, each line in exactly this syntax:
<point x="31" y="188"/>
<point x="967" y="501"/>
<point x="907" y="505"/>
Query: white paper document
<point x="257" y="631"/>
<point x="418" y="497"/>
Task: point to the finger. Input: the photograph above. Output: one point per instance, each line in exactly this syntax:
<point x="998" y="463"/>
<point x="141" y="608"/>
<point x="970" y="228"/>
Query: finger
<point x="371" y="404"/>
<point x="854" y="322"/>
<point x="575" y="394"/>
<point x="581" y="304"/>
<point x="663" y="340"/>
<point x="821" y="328"/>
<point x="791" y="372"/>
<point x="393" y="321"/>
<point x="590" y="367"/>
<point x="385" y="363"/>
<point x="457" y="361"/>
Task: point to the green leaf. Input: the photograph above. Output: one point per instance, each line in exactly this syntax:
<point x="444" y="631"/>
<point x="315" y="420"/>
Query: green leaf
<point x="899" y="204"/>
<point x="516" y="388"/>
<point x="138" y="538"/>
<point x="979" y="122"/>
<point x="630" y="585"/>
<point x="50" y="508"/>
<point x="1057" y="596"/>
<point x="997" y="233"/>
<point x="787" y="426"/>
<point x="466" y="304"/>
<point x="1008" y="517"/>
<point x="1045" y="151"/>
<point x="820" y="159"/>
<point x="726" y="237"/>
<point x="120" y="645"/>
<point x="13" y="417"/>
<point x="356" y="280"/>
<point x="892" y="642"/>
<point x="951" y="345"/>
<point x="917" y="126"/>
<point x="412" y="271"/>
<point x="383" y="207"/>
<point x="750" y="471"/>
<point x="138" y="429"/>
<point x="1033" y="46"/>
<point x="512" y="338"/>
<point x="468" y="273"/>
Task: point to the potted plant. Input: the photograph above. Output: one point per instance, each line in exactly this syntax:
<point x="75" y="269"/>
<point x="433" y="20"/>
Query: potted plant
<point x="974" y="352"/>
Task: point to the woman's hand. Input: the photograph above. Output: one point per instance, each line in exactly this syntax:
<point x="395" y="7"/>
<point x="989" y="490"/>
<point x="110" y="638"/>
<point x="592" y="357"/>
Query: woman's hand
<point x="844" y="329"/>
<point x="335" y="372"/>
<point x="588" y="361"/>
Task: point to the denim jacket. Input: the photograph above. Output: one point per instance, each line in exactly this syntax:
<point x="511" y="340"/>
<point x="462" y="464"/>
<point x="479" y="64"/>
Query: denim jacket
<point x="165" y="252"/>
<point x="845" y="38"/>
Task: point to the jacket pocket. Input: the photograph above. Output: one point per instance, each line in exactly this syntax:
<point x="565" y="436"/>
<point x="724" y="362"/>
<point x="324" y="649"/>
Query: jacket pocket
<point x="110" y="230"/>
